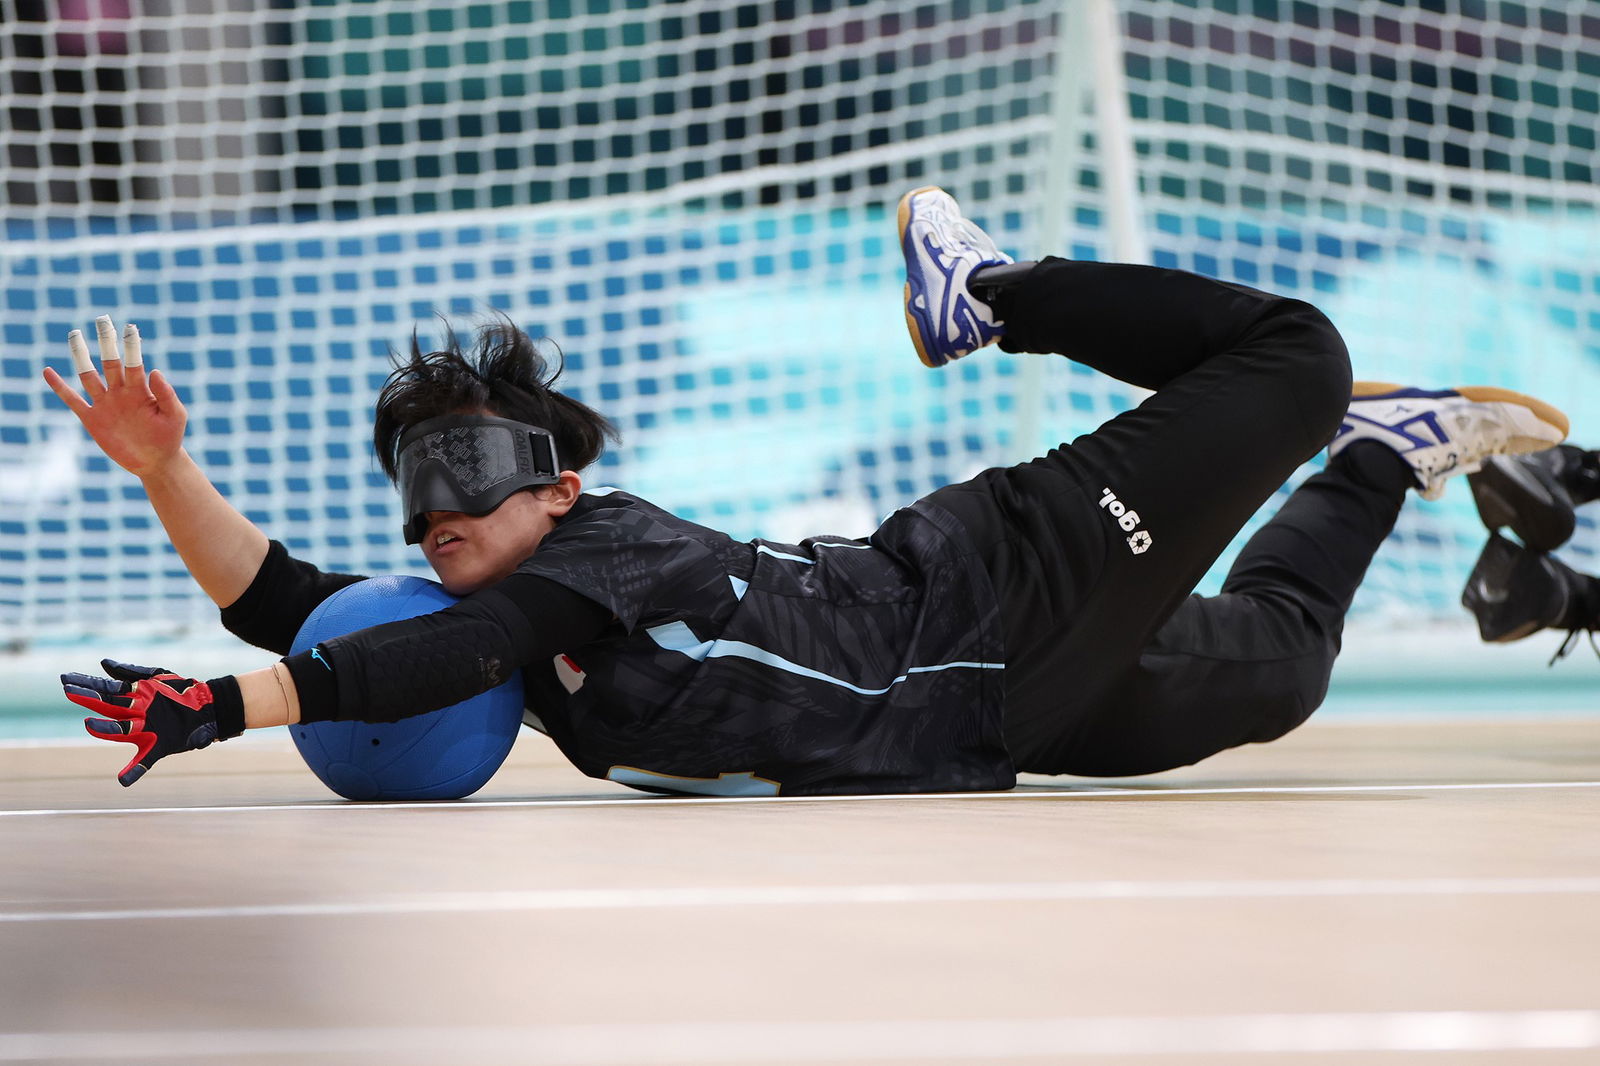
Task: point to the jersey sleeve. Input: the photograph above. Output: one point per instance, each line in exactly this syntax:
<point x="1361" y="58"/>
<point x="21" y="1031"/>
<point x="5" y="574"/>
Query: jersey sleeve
<point x="281" y="597"/>
<point x="609" y="562"/>
<point x="624" y="559"/>
<point x="415" y="665"/>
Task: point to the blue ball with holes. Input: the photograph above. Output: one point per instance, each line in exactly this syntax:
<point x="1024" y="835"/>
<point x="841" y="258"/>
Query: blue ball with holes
<point x="442" y="755"/>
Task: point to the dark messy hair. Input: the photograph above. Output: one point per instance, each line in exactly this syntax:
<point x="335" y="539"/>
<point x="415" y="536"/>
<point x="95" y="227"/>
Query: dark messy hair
<point x="505" y="374"/>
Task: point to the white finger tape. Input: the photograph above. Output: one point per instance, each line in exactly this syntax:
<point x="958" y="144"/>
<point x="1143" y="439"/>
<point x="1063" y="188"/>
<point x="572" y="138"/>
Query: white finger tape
<point x="132" y="346"/>
<point x="80" y="352"/>
<point x="108" y="340"/>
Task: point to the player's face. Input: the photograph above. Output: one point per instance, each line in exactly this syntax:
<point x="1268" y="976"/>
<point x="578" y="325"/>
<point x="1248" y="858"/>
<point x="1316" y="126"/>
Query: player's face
<point x="472" y="552"/>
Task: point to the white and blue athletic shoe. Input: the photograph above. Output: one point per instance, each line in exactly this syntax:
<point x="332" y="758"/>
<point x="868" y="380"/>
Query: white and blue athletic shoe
<point x="1444" y="432"/>
<point x="942" y="251"/>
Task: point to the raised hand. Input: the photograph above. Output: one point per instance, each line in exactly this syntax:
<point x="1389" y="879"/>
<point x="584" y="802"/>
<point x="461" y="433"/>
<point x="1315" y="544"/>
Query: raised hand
<point x="155" y="709"/>
<point x="136" y="419"/>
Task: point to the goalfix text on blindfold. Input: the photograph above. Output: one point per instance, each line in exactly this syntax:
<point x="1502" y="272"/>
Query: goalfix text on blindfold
<point x="470" y="464"/>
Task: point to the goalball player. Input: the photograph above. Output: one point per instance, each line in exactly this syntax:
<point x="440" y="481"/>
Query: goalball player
<point x="1036" y="618"/>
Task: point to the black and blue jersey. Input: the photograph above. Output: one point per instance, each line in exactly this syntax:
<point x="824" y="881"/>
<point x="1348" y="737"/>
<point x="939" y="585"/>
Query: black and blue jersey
<point x="712" y="665"/>
<point x="754" y="668"/>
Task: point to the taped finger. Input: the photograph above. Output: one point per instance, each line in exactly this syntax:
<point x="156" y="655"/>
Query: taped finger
<point x="109" y="353"/>
<point x="81" y="363"/>
<point x="132" y="347"/>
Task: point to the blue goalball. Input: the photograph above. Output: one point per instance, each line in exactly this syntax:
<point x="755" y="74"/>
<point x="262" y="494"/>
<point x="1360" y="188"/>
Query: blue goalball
<point x="444" y="754"/>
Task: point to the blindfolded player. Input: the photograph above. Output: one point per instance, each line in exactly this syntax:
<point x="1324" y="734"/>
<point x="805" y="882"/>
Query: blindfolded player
<point x="1035" y="618"/>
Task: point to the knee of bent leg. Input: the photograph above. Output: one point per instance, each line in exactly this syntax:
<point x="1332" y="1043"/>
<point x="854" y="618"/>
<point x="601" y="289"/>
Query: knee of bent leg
<point x="1279" y="718"/>
<point x="1319" y="367"/>
<point x="1285" y="700"/>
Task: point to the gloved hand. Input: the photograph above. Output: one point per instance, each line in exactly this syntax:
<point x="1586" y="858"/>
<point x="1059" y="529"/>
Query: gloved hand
<point x="157" y="710"/>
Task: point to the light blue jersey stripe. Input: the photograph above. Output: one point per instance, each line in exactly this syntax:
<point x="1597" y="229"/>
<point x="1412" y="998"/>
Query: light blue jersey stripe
<point x="762" y="549"/>
<point x="678" y="637"/>
<point x="741" y="784"/>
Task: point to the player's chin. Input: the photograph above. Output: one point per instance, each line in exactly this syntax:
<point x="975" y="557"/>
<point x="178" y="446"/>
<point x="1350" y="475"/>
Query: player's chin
<point x="459" y="580"/>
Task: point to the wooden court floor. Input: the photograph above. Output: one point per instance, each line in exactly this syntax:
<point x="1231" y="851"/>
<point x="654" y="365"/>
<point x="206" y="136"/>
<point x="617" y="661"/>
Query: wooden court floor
<point x="1356" y="893"/>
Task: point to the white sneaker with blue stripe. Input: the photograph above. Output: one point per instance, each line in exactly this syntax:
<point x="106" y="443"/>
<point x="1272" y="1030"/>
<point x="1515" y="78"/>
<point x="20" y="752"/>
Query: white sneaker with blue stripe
<point x="1444" y="432"/>
<point x="942" y="251"/>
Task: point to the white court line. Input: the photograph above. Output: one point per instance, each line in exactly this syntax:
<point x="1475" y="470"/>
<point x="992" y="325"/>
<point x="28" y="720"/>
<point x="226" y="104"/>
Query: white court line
<point x="588" y="899"/>
<point x="621" y="800"/>
<point x="911" y="1040"/>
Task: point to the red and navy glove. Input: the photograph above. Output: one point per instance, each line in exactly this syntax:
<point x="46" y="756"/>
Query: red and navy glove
<point x="157" y="710"/>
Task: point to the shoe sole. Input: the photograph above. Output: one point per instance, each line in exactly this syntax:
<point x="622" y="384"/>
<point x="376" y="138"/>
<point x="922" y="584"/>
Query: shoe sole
<point x="1519" y="445"/>
<point x="1509" y="496"/>
<point x="913" y="327"/>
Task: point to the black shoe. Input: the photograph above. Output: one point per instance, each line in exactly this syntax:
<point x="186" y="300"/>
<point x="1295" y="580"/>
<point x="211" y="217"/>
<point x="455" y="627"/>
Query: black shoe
<point x="1514" y="592"/>
<point x="1534" y="495"/>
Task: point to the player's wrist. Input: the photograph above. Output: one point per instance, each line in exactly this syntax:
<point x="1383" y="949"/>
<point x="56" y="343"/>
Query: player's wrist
<point x="167" y="470"/>
<point x="227" y="704"/>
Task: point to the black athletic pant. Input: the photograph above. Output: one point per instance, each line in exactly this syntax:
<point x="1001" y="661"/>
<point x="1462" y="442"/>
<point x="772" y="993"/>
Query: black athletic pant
<point x="1112" y="666"/>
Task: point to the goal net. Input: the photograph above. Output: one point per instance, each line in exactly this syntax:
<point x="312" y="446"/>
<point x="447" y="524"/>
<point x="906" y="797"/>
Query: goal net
<point x="695" y="201"/>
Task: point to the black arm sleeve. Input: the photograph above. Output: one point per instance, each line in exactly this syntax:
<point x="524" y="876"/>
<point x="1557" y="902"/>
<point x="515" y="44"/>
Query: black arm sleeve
<point x="284" y="593"/>
<point x="416" y="665"/>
